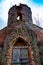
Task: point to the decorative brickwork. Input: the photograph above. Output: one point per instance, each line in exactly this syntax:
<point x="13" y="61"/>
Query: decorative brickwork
<point x="21" y="28"/>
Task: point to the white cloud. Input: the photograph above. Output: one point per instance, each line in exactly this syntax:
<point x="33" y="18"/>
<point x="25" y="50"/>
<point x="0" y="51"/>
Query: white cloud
<point x="5" y="7"/>
<point x="37" y="14"/>
<point x="37" y="11"/>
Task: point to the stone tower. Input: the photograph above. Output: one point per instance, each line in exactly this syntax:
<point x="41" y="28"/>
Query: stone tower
<point x="20" y="46"/>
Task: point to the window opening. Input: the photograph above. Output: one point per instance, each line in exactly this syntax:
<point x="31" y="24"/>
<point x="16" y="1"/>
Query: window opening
<point x="19" y="16"/>
<point x="20" y="56"/>
<point x="20" y="53"/>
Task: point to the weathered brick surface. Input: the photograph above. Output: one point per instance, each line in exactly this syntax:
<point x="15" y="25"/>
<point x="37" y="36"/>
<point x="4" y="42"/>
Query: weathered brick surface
<point x="20" y="29"/>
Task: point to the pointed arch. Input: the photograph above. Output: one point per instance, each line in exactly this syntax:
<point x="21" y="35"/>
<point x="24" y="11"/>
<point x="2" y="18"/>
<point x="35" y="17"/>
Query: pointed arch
<point x="20" y="51"/>
<point x="25" y="50"/>
<point x="20" y="39"/>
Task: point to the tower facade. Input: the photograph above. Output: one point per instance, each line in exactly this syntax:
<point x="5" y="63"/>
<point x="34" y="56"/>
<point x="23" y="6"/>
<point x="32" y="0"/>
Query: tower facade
<point x="20" y="45"/>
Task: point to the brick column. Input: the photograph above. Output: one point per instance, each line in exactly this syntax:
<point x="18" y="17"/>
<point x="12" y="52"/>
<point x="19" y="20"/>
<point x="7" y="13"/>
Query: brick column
<point x="9" y="56"/>
<point x="31" y="56"/>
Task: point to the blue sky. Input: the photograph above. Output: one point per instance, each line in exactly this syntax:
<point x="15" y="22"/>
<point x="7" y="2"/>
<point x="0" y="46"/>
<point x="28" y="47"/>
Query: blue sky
<point x="38" y="2"/>
<point x="1" y="1"/>
<point x="36" y="7"/>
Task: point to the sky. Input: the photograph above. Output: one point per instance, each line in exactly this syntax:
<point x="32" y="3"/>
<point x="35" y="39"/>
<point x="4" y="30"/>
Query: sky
<point x="36" y="8"/>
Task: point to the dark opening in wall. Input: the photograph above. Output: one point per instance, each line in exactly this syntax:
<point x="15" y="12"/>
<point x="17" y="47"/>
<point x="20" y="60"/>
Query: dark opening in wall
<point x="19" y="16"/>
<point x="1" y="49"/>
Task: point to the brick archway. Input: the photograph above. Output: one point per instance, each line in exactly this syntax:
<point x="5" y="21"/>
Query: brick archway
<point x="9" y="54"/>
<point x="13" y="42"/>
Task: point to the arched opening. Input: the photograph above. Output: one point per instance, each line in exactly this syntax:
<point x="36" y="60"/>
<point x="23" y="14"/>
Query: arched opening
<point x="19" y="16"/>
<point x="20" y="42"/>
<point x="20" y="53"/>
